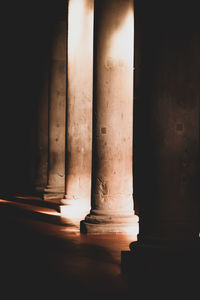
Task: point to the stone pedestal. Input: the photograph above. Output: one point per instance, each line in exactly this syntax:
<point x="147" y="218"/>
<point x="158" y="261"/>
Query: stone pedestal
<point x="162" y="270"/>
<point x="57" y="103"/>
<point x="112" y="178"/>
<point x="79" y="105"/>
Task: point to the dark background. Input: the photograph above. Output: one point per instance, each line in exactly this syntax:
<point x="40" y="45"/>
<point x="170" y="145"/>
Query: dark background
<point x="27" y="28"/>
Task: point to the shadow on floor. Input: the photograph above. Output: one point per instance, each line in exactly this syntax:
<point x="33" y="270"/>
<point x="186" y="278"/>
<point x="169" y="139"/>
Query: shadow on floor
<point x="36" y="263"/>
<point x="163" y="273"/>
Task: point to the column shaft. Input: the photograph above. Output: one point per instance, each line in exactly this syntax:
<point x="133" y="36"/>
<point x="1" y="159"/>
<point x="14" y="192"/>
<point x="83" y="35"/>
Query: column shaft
<point x="40" y="181"/>
<point x="57" y="99"/>
<point x="168" y="151"/>
<point x="169" y="206"/>
<point x="79" y="103"/>
<point x="112" y="178"/>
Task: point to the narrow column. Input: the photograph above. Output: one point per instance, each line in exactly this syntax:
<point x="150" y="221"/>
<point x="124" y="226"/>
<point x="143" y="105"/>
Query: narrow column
<point x="112" y="179"/>
<point x="57" y="99"/>
<point x="79" y="105"/>
<point x="40" y="179"/>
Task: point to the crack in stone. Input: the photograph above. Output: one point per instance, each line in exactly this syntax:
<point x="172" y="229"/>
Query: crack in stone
<point x="102" y="187"/>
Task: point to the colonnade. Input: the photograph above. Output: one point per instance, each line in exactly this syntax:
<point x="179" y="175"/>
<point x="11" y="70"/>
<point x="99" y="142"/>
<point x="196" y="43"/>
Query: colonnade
<point x="90" y="114"/>
<point x="91" y="158"/>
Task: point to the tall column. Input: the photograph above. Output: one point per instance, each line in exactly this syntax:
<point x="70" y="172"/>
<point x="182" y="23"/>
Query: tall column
<point x="167" y="250"/>
<point x="57" y="98"/>
<point x="112" y="180"/>
<point x="40" y="174"/>
<point x="169" y="206"/>
<point x="79" y="105"/>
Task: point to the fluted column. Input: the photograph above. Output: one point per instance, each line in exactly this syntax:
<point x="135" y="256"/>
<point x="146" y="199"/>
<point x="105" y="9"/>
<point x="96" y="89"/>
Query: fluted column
<point x="112" y="179"/>
<point x="57" y="99"/>
<point x="79" y="104"/>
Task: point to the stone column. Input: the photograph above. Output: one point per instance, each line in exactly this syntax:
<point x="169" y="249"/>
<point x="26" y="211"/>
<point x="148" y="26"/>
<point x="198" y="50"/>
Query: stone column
<point x="40" y="178"/>
<point x="57" y="98"/>
<point x="112" y="179"/>
<point x="167" y="250"/>
<point x="79" y="104"/>
<point x="169" y="205"/>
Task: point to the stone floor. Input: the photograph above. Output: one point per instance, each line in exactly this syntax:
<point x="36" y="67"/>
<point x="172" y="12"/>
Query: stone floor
<point x="43" y="256"/>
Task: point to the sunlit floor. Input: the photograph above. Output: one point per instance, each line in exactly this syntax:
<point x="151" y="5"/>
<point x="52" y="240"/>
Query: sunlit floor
<point x="42" y="256"/>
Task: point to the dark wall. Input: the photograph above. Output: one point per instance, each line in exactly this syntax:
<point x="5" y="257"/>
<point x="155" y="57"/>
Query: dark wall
<point x="167" y="109"/>
<point x="26" y="43"/>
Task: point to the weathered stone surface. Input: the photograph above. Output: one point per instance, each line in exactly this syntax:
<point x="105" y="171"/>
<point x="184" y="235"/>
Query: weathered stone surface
<point x="167" y="151"/>
<point x="112" y="180"/>
<point x="167" y="144"/>
<point x="79" y="102"/>
<point x="57" y="104"/>
<point x="41" y="165"/>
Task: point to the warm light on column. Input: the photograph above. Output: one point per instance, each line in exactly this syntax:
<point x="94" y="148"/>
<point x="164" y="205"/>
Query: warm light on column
<point x="74" y="211"/>
<point x="112" y="174"/>
<point x="75" y="21"/>
<point x="119" y="48"/>
<point x="76" y="13"/>
<point x="79" y="108"/>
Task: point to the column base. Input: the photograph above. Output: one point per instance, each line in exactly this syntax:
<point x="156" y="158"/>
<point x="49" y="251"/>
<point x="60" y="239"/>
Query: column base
<point x="38" y="191"/>
<point x="74" y="209"/>
<point x="53" y="194"/>
<point x="162" y="268"/>
<point x="109" y="223"/>
<point x="67" y="200"/>
<point x="39" y="188"/>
